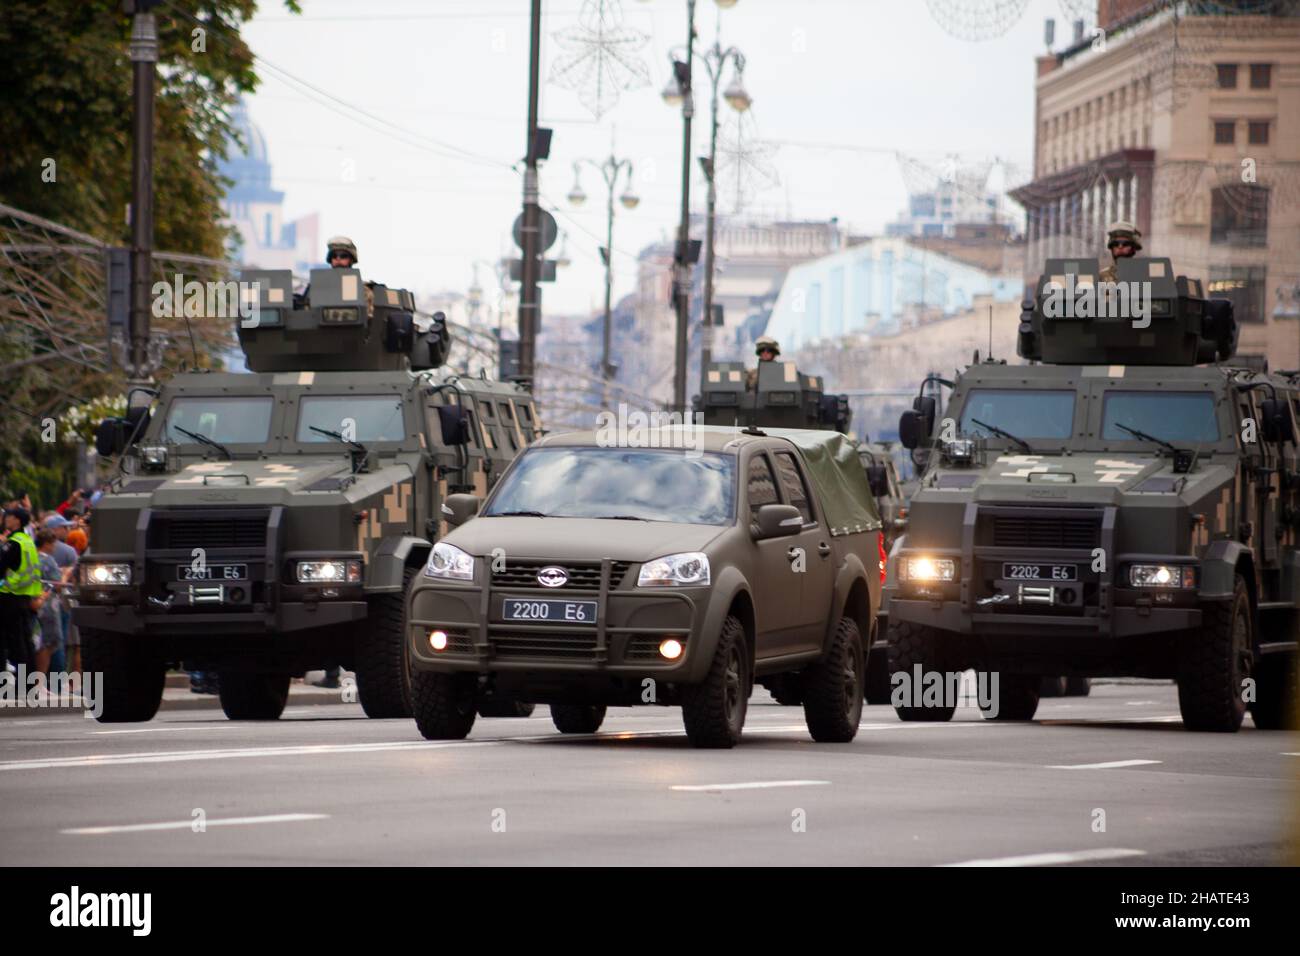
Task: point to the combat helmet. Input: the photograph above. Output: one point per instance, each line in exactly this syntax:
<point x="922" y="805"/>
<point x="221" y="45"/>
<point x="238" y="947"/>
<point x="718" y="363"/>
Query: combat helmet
<point x="1124" y="230"/>
<point x="766" y="342"/>
<point x="344" y="243"/>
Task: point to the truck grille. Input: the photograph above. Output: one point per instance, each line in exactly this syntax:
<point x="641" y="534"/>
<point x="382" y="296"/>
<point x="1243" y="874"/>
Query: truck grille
<point x="583" y="576"/>
<point x="213" y="532"/>
<point x="1054" y="531"/>
<point x="567" y="647"/>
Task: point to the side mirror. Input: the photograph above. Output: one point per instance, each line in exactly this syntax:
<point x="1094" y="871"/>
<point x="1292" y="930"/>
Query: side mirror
<point x="878" y="478"/>
<point x="110" y="437"/>
<point x="455" y="424"/>
<point x="458" y="509"/>
<point x="913" y="429"/>
<point x="1276" y="424"/>
<point x="399" y="332"/>
<point x="777" y="521"/>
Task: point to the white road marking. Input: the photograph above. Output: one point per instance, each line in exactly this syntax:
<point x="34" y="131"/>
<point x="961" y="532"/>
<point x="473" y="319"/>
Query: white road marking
<point x="1050" y="859"/>
<point x="162" y="730"/>
<point x="755" y="785"/>
<point x="1109" y="765"/>
<point x="1291" y="754"/>
<point x="178" y="756"/>
<point x="189" y="824"/>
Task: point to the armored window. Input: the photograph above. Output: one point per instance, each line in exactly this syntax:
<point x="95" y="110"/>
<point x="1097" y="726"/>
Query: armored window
<point x="1024" y="413"/>
<point x="1257" y="132"/>
<point x="507" y="411"/>
<point x="1227" y="75"/>
<point x="362" y="418"/>
<point x="1261" y="76"/>
<point x="1239" y="215"/>
<point x="796" y="491"/>
<point x="1169" y="416"/>
<point x="1225" y="132"/>
<point x="231" y="421"/>
<point x="762" y="486"/>
<point x="487" y="411"/>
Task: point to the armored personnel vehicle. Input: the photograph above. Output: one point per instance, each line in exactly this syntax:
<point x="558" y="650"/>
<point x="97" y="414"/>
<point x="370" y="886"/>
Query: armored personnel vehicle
<point x="1127" y="506"/>
<point x="266" y="523"/>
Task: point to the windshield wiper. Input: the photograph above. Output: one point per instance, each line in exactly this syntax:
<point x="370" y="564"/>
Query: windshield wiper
<point x="205" y="440"/>
<point x="623" y="518"/>
<point x="1005" y="434"/>
<point x="516" y="514"/>
<point x="1145" y="437"/>
<point x="338" y="436"/>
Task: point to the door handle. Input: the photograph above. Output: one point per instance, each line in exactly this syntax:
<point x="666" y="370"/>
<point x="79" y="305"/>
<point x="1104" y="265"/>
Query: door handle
<point x="824" y="549"/>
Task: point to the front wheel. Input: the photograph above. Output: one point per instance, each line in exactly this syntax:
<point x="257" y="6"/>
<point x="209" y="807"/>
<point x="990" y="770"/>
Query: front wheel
<point x="832" y="688"/>
<point x="253" y="696"/>
<point x="1215" y="664"/>
<point x="443" y="704"/>
<point x="130" y="682"/>
<point x="1011" y="697"/>
<point x="382" y="654"/>
<point x="915" y="651"/>
<point x="714" y="710"/>
<point x="577" y="718"/>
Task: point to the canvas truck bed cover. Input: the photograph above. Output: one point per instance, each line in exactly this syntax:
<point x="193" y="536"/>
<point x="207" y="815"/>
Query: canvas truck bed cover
<point x="837" y="473"/>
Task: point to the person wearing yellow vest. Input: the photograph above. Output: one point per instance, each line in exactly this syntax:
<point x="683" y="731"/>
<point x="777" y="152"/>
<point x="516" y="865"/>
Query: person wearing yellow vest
<point x="19" y="587"/>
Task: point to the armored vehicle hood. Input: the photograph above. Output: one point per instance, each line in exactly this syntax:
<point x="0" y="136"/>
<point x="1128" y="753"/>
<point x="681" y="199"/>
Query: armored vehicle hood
<point x="255" y="482"/>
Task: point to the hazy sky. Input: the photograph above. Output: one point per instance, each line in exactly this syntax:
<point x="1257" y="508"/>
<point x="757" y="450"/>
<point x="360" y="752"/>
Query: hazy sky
<point x="429" y="189"/>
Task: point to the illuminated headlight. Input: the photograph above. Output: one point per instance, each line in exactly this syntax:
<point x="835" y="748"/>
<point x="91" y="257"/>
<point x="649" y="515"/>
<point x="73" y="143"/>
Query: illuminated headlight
<point x="329" y="572"/>
<point x="153" y="457"/>
<point x="959" y="450"/>
<point x="107" y="575"/>
<point x="688" y="569"/>
<point x="927" y="569"/>
<point x="1162" y="576"/>
<point x="339" y="316"/>
<point x="449" y="561"/>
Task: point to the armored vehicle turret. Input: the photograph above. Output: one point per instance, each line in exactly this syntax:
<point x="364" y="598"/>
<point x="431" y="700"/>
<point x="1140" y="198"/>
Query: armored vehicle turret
<point x="771" y="395"/>
<point x="1125" y="505"/>
<point x="266" y="523"/>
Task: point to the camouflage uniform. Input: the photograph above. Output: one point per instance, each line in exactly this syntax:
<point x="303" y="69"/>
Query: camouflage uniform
<point x="1119" y="230"/>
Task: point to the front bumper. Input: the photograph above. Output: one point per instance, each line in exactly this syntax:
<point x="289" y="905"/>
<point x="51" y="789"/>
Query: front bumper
<point x="630" y="624"/>
<point x="284" y="618"/>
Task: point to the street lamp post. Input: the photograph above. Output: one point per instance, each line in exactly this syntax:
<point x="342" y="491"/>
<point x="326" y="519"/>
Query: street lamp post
<point x="610" y="170"/>
<point x="715" y="60"/>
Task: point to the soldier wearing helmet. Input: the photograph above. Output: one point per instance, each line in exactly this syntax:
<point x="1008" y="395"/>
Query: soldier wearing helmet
<point x="340" y="253"/>
<point x="767" y="349"/>
<point x="1123" y="241"/>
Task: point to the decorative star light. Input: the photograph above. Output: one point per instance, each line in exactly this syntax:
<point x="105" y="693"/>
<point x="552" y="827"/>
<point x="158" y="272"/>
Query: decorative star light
<point x="744" y="162"/>
<point x="976" y="19"/>
<point x="600" y="56"/>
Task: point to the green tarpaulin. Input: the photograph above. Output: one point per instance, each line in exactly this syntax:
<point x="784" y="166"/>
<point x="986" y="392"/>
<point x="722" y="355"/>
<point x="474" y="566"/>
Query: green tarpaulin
<point x="841" y="481"/>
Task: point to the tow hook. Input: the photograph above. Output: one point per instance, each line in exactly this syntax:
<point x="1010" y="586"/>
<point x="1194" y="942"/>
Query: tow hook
<point x="165" y="605"/>
<point x="995" y="599"/>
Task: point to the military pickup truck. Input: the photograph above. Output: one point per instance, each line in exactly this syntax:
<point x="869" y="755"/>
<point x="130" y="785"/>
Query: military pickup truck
<point x="265" y="523"/>
<point x="1127" y="506"/>
<point x="599" y="574"/>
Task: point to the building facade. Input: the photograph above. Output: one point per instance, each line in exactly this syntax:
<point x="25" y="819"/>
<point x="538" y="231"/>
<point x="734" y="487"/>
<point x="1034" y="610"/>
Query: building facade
<point x="1184" y="118"/>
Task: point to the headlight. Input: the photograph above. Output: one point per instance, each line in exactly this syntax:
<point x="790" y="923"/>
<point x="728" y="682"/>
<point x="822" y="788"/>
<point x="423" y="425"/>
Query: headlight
<point x="927" y="569"/>
<point x="690" y="568"/>
<point x="329" y="572"/>
<point x="107" y="575"/>
<point x="153" y="457"/>
<point x="449" y="561"/>
<point x="958" y="450"/>
<point x="1162" y="576"/>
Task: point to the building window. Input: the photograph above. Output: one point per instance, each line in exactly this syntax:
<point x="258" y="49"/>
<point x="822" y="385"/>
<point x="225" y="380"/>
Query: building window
<point x="1243" y="286"/>
<point x="1239" y="215"/>
<point x="1227" y="75"/>
<point x="1258" y="132"/>
<point x="1225" y="132"/>
<point x="1261" y="76"/>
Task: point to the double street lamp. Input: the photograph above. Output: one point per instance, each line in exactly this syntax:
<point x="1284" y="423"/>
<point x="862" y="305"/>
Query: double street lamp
<point x="610" y="170"/>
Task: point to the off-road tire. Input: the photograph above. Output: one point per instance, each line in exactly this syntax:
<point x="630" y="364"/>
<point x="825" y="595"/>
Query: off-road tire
<point x="912" y="644"/>
<point x="577" y="718"/>
<point x="504" y="707"/>
<point x="876" y="671"/>
<point x="1277" y="692"/>
<point x="383" y="658"/>
<point x="1078" y="686"/>
<point x="832" y="688"/>
<point x="1017" y="697"/>
<point x="131" y="687"/>
<point x="252" y="696"/>
<point x="443" y="704"/>
<point x="714" y="709"/>
<point x="1215" y="662"/>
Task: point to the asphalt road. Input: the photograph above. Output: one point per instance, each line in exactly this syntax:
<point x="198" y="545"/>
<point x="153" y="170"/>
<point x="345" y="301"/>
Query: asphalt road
<point x="324" y="785"/>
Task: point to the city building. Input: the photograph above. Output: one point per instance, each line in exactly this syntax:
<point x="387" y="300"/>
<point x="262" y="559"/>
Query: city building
<point x="1183" y="118"/>
<point x="255" y="208"/>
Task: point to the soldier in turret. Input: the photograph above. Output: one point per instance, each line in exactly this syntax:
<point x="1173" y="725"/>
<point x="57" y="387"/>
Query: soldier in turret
<point x="1123" y="241"/>
<point x="767" y="349"/>
<point x="340" y="253"/>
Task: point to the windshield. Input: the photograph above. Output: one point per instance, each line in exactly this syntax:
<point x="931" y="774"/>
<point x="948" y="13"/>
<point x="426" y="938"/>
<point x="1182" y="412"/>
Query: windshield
<point x="655" y="485"/>
<point x="1023" y="413"/>
<point x="229" y="421"/>
<point x="1169" y="416"/>
<point x="360" y="418"/>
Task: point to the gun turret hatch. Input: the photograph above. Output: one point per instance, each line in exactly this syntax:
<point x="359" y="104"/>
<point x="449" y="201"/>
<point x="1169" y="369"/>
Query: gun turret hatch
<point x="1146" y="316"/>
<point x="774" y="395"/>
<point x="345" y="325"/>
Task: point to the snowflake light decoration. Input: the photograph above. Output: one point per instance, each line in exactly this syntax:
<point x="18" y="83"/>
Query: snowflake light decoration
<point x="600" y="56"/>
<point x="976" y="19"/>
<point x="744" y="162"/>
